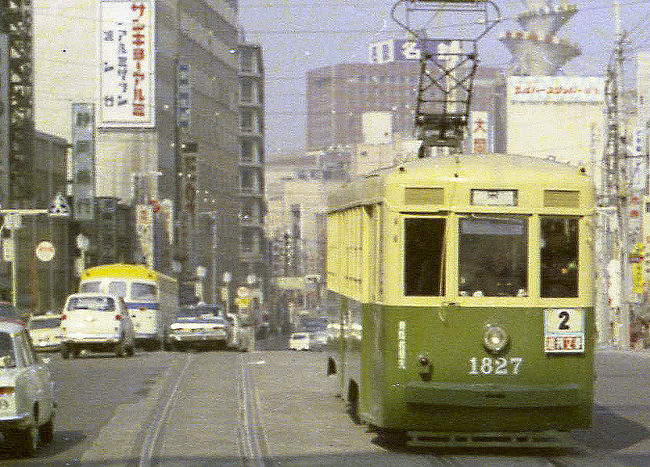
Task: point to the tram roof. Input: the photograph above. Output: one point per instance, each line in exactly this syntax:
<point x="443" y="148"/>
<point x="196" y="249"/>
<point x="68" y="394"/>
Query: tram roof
<point x="119" y="270"/>
<point x="490" y="171"/>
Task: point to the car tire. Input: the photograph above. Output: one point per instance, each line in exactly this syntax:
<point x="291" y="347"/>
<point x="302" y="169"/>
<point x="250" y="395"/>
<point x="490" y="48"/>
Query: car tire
<point x="65" y="351"/>
<point x="46" y="432"/>
<point x="130" y="351"/>
<point x="25" y="441"/>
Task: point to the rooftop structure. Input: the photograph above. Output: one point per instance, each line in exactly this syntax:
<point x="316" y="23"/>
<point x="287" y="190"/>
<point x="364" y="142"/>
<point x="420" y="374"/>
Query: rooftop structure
<point x="536" y="50"/>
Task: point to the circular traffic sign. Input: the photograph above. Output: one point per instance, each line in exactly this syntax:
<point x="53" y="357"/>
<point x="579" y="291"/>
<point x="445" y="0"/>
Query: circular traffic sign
<point x="82" y="242"/>
<point x="242" y="292"/>
<point x="45" y="251"/>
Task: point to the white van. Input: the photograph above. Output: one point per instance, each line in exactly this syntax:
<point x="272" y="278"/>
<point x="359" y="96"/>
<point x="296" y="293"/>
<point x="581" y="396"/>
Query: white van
<point x="97" y="322"/>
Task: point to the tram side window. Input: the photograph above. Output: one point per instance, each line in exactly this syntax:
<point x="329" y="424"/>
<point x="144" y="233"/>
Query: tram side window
<point x="423" y="258"/>
<point x="493" y="257"/>
<point x="90" y="287"/>
<point x="142" y="291"/>
<point x="559" y="257"/>
<point x="117" y="288"/>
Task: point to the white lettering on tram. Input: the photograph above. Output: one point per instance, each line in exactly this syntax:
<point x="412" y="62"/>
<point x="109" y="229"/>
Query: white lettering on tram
<point x="497" y="366"/>
<point x="401" y="345"/>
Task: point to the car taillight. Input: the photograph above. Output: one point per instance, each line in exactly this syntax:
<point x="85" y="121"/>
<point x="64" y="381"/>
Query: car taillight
<point x="63" y="317"/>
<point x="6" y="390"/>
<point x="118" y="317"/>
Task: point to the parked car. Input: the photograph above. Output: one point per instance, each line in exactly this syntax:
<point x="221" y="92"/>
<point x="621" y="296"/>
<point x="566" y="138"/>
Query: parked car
<point x="27" y="395"/>
<point x="198" y="326"/>
<point x="241" y="333"/>
<point x="96" y="322"/>
<point x="299" y="341"/>
<point x="45" y="331"/>
<point x="7" y="310"/>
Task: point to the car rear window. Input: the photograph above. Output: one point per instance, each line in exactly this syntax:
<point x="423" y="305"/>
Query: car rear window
<point x="48" y="323"/>
<point x="92" y="303"/>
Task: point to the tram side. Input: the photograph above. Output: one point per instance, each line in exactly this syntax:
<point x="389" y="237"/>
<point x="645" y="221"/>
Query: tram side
<point x="463" y="291"/>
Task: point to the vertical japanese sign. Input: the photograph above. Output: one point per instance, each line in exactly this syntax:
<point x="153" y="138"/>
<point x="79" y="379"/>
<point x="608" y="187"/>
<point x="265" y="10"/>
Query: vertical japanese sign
<point x="4" y="119"/>
<point x="144" y="228"/>
<point x="126" y="63"/>
<point x="480" y="132"/>
<point x="83" y="160"/>
<point x="183" y="96"/>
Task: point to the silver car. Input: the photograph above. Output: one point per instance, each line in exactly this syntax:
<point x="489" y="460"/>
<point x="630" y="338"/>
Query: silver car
<point x="27" y="396"/>
<point x="45" y="331"/>
<point x="96" y="322"/>
<point x="199" y="326"/>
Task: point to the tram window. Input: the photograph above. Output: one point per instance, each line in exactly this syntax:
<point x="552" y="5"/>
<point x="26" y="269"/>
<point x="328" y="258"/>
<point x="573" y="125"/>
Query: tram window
<point x="492" y="257"/>
<point x="423" y="258"/>
<point x="90" y="287"/>
<point x="559" y="257"/>
<point x="117" y="288"/>
<point x="141" y="291"/>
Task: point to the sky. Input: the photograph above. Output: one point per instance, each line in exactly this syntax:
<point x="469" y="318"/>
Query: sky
<point x="297" y="36"/>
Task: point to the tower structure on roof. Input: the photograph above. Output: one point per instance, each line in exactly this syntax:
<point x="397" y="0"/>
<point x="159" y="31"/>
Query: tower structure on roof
<point x="535" y="48"/>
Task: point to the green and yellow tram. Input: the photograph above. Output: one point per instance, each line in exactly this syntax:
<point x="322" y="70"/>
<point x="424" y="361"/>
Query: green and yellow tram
<point x="462" y="288"/>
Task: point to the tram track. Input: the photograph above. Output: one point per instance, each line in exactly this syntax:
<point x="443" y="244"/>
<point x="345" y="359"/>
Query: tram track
<point x="252" y="440"/>
<point x="159" y="416"/>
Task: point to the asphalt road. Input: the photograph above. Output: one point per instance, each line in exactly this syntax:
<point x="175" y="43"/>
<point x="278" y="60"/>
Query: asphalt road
<point x="277" y="408"/>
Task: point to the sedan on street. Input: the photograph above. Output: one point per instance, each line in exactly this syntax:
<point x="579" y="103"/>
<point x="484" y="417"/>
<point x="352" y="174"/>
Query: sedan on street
<point x="299" y="341"/>
<point x="27" y="395"/>
<point x="198" y="326"/>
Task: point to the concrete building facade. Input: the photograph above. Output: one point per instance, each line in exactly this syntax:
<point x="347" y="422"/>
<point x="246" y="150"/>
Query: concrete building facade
<point x="180" y="139"/>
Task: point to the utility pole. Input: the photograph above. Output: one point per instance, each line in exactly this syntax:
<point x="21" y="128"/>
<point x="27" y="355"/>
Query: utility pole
<point x="621" y="184"/>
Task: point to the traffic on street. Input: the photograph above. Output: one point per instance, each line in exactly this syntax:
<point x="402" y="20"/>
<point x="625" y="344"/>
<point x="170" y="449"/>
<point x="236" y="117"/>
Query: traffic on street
<point x="276" y="407"/>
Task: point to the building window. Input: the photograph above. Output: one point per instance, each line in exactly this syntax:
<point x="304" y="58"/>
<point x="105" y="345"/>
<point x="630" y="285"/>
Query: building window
<point x="247" y="91"/>
<point x="247" y="151"/>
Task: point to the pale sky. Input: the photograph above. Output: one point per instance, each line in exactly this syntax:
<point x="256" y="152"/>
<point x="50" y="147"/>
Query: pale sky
<point x="297" y="36"/>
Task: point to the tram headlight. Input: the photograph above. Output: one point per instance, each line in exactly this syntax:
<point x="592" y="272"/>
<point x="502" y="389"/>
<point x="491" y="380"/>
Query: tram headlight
<point x="495" y="338"/>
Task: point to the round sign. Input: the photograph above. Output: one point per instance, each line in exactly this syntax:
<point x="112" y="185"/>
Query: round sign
<point x="82" y="242"/>
<point x="45" y="251"/>
<point x="242" y="292"/>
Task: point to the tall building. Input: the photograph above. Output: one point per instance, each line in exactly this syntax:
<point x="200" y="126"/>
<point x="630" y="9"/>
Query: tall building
<point x="16" y="101"/>
<point x="251" y="166"/>
<point x="338" y="96"/>
<point x="162" y="77"/>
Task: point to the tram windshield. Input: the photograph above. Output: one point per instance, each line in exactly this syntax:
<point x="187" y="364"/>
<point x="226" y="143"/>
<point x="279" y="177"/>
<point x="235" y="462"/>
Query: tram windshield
<point x="493" y="257"/>
<point x="559" y="257"/>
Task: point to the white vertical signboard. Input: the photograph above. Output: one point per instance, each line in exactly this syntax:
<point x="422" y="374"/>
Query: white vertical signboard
<point x="126" y="63"/>
<point x="480" y="132"/>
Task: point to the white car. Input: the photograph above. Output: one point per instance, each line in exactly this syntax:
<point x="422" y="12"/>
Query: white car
<point x="198" y="326"/>
<point x="299" y="341"/>
<point x="45" y="331"/>
<point x="27" y="395"/>
<point x="96" y="322"/>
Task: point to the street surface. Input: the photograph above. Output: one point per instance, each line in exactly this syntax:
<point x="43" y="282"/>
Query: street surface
<point x="277" y="408"/>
